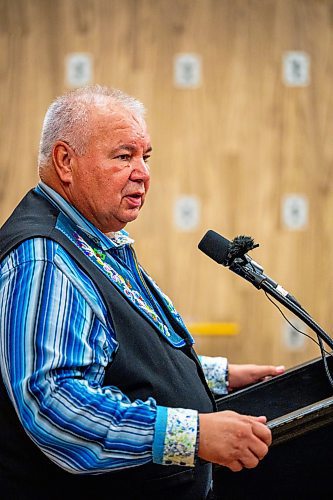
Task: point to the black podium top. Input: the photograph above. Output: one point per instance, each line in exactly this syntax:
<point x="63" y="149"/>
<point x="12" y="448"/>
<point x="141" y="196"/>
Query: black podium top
<point x="299" y="408"/>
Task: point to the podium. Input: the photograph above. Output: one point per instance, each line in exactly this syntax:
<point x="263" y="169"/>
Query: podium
<point x="299" y="408"/>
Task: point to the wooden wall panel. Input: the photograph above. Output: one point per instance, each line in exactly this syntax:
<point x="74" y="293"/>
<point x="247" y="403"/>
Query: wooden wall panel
<point x="240" y="142"/>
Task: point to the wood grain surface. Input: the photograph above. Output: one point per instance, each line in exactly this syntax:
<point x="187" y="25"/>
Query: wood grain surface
<point x="240" y="142"/>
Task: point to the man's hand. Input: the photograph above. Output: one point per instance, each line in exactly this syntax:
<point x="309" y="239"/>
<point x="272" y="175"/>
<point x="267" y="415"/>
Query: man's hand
<point x="241" y="375"/>
<point x="233" y="440"/>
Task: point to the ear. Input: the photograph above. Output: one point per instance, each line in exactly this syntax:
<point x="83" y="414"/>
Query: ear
<point x="64" y="158"/>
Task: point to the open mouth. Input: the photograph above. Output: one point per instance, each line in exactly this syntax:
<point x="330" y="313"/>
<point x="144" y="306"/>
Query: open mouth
<point x="134" y="200"/>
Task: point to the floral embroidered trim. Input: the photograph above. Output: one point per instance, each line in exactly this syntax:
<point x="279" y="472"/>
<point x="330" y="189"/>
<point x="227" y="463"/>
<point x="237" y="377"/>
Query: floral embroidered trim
<point x="125" y="286"/>
<point x="168" y="301"/>
<point x="216" y="373"/>
<point x="180" y="437"/>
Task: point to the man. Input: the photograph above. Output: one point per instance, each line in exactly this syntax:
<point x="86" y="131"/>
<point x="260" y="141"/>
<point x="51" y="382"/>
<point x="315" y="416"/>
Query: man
<point x="102" y="391"/>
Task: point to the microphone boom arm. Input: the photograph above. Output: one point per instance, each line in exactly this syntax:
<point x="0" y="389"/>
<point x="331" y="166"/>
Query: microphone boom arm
<point x="261" y="281"/>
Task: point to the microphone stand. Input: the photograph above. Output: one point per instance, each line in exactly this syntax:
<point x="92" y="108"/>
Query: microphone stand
<point x="243" y="268"/>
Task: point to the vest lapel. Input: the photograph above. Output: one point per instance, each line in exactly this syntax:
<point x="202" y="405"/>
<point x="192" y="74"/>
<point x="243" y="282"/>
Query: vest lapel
<point x="112" y="270"/>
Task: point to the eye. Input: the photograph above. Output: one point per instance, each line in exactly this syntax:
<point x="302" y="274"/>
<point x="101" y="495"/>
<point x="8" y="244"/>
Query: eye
<point x="124" y="157"/>
<point x="146" y="158"/>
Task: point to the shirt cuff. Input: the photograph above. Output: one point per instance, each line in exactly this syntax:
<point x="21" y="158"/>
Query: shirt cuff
<point x="175" y="438"/>
<point x="216" y="373"/>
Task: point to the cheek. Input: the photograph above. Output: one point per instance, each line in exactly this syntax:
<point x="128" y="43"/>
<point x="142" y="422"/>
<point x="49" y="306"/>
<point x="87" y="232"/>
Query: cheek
<point x="113" y="186"/>
<point x="103" y="184"/>
<point x="83" y="177"/>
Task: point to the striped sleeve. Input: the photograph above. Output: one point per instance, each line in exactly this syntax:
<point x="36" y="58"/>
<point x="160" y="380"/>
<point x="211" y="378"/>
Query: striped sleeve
<point x="55" y="345"/>
<point x="56" y="342"/>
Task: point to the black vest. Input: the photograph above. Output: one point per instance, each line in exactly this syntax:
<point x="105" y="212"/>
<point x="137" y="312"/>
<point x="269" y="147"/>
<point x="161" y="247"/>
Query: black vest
<point x="144" y="365"/>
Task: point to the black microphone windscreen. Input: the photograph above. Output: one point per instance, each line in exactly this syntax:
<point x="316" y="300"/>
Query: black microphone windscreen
<point x="215" y="246"/>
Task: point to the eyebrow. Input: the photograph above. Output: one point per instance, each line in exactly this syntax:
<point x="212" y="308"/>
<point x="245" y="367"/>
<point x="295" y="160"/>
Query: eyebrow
<point x="130" y="148"/>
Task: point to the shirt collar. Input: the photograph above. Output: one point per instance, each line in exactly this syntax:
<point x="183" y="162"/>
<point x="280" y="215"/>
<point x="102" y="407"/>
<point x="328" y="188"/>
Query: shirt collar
<point x="118" y="239"/>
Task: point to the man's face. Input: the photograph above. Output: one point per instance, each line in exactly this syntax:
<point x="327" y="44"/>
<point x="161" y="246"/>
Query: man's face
<point x="110" y="181"/>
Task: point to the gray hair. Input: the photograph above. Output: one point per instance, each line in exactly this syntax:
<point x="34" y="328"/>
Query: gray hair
<point x="67" y="117"/>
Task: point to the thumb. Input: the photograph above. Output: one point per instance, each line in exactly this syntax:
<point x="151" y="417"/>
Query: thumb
<point x="271" y="370"/>
<point x="262" y="419"/>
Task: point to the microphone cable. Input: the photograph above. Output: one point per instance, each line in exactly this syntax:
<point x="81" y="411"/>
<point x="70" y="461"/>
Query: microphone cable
<point x="319" y="343"/>
<point x="233" y="255"/>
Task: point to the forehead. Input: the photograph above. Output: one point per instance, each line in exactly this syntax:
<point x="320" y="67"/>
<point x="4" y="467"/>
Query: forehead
<point x="118" y="122"/>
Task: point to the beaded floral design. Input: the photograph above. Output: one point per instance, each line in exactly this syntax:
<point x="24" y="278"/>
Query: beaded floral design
<point x="124" y="285"/>
<point x="168" y="302"/>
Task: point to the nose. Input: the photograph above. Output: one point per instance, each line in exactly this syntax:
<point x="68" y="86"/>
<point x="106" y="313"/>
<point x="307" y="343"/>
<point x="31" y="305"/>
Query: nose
<point x="140" y="171"/>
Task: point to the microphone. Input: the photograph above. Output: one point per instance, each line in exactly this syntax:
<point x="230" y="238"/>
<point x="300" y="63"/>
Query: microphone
<point x="233" y="254"/>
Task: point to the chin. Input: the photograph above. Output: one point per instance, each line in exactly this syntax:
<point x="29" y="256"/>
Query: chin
<point x="132" y="215"/>
<point x="118" y="223"/>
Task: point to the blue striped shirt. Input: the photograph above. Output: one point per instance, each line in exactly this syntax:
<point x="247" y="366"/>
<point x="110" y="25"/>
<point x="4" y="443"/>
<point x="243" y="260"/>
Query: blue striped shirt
<point x="56" y="341"/>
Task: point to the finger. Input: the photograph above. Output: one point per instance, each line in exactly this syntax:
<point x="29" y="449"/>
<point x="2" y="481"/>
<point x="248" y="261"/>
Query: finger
<point x="235" y="466"/>
<point x="258" y="448"/>
<point x="270" y="370"/>
<point x="261" y="431"/>
<point x="250" y="419"/>
<point x="262" y="419"/>
<point x="248" y="459"/>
